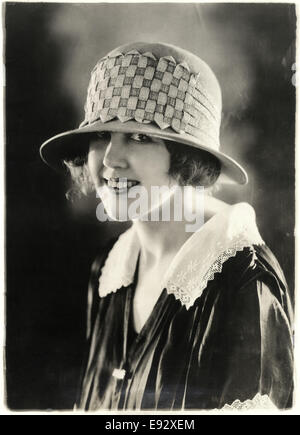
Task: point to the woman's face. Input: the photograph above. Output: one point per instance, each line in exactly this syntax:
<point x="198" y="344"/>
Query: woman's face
<point x="124" y="167"/>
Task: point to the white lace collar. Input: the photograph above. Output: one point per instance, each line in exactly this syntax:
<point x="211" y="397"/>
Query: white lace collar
<point x="197" y="261"/>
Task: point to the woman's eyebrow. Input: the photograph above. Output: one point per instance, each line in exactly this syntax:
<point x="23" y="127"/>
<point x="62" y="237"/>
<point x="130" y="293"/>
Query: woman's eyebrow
<point x="102" y="133"/>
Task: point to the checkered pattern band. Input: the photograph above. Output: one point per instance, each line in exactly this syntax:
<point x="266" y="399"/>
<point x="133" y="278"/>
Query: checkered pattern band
<point x="140" y="87"/>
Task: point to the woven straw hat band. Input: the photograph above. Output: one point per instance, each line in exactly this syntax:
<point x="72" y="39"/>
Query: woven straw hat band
<point x="147" y="89"/>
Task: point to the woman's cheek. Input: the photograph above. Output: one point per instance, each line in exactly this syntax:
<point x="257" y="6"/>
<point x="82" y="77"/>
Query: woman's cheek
<point x="153" y="163"/>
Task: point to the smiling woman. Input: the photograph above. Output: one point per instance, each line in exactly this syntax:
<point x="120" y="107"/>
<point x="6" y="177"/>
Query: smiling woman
<point x="175" y="320"/>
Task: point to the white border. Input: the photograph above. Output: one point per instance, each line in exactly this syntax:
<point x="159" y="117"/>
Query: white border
<point x="3" y="408"/>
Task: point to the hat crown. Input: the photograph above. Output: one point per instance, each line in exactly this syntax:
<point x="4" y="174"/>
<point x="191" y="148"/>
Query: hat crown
<point x="158" y="83"/>
<point x="158" y="50"/>
<point x="181" y="56"/>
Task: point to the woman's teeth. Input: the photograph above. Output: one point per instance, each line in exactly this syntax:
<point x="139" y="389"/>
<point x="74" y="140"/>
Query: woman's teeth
<point x="124" y="184"/>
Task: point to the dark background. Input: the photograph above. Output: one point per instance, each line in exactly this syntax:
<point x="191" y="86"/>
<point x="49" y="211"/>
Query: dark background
<point x="50" y="50"/>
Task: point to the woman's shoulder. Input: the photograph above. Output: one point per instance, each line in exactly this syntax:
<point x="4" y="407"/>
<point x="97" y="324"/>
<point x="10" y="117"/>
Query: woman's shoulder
<point x="254" y="262"/>
<point x="256" y="270"/>
<point x="112" y="250"/>
<point x="101" y="257"/>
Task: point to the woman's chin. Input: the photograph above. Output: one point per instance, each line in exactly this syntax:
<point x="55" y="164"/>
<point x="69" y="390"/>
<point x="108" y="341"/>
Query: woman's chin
<point x="118" y="218"/>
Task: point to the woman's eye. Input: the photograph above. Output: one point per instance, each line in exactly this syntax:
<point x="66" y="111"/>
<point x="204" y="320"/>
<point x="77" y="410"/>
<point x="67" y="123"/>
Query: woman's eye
<point x="104" y="135"/>
<point x="80" y="160"/>
<point x="138" y="137"/>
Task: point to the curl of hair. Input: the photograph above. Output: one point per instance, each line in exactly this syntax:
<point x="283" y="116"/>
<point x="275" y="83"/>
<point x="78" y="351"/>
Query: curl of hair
<point x="80" y="177"/>
<point x="188" y="166"/>
<point x="191" y="166"/>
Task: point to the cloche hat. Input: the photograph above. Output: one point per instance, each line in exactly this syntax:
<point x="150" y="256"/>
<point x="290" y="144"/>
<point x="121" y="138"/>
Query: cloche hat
<point x="155" y="89"/>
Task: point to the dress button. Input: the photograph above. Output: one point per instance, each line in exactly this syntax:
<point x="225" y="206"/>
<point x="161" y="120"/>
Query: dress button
<point x="119" y="373"/>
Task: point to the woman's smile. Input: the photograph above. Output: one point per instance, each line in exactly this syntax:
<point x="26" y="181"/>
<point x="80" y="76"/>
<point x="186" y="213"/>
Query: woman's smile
<point x="120" y="185"/>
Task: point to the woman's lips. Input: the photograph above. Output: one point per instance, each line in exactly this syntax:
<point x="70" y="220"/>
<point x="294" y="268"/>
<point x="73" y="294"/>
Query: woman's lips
<point x="119" y="185"/>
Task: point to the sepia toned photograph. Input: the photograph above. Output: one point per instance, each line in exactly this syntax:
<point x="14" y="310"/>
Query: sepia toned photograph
<point x="149" y="153"/>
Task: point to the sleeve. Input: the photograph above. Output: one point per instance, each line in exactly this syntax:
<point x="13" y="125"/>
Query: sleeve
<point x="92" y="294"/>
<point x="91" y="313"/>
<point x="92" y="309"/>
<point x="242" y="351"/>
<point x="260" y="364"/>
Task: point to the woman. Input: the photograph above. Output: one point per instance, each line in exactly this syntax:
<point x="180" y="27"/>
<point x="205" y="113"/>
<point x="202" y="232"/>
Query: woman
<point x="177" y="320"/>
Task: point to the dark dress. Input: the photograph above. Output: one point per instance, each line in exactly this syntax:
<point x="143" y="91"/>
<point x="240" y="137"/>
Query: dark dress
<point x="234" y="343"/>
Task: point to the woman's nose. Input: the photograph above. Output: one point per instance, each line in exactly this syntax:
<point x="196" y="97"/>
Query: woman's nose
<point x="115" y="153"/>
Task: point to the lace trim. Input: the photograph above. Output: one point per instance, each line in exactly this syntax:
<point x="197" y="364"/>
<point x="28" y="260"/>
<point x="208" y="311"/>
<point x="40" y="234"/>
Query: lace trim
<point x="223" y="236"/>
<point x="189" y="285"/>
<point x="258" y="402"/>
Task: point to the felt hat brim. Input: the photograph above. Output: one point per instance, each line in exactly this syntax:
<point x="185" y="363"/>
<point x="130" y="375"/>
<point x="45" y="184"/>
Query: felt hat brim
<point x="73" y="142"/>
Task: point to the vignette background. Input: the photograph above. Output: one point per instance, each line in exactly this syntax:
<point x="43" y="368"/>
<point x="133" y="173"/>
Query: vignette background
<point x="50" y="50"/>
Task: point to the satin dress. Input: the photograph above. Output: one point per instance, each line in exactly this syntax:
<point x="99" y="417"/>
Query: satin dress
<point x="233" y="345"/>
